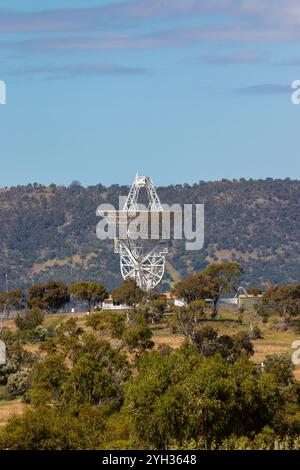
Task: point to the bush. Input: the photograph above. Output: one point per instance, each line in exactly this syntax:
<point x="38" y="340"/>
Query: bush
<point x="18" y="383"/>
<point x="36" y="335"/>
<point x="30" y="320"/>
<point x="209" y="343"/>
<point x="205" y="399"/>
<point x="138" y="336"/>
<point x="114" y="323"/>
<point x="7" y="369"/>
<point x="255" y="333"/>
<point x="44" y="428"/>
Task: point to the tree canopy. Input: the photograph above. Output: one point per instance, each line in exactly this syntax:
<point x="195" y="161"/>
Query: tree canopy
<point x="50" y="297"/>
<point x="91" y="293"/>
<point x="210" y="284"/>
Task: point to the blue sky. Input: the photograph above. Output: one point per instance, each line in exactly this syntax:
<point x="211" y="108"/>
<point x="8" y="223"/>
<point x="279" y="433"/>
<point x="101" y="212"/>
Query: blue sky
<point x="179" y="90"/>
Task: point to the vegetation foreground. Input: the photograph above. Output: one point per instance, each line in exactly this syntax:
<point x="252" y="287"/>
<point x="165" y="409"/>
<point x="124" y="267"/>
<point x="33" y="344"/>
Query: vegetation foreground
<point x="153" y="376"/>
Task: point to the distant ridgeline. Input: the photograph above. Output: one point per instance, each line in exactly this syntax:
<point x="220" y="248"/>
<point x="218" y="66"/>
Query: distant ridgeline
<point x="49" y="232"/>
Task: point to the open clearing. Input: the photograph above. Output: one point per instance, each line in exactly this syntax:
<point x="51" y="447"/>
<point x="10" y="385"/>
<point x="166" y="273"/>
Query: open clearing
<point x="11" y="408"/>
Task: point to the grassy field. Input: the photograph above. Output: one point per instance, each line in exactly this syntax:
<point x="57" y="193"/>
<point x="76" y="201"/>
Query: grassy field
<point x="273" y="342"/>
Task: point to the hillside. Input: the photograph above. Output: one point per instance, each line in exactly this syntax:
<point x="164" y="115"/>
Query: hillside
<point x="49" y="232"/>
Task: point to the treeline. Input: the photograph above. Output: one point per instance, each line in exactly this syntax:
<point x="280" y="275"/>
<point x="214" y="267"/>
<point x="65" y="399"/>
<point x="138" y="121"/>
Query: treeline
<point x="201" y="293"/>
<point x="49" y="232"/>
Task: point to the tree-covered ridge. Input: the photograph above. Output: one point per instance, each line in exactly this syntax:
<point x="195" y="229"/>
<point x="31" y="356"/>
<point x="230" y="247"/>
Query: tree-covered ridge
<point x="49" y="232"/>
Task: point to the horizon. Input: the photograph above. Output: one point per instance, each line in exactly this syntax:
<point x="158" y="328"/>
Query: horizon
<point x="222" y="180"/>
<point x="98" y="88"/>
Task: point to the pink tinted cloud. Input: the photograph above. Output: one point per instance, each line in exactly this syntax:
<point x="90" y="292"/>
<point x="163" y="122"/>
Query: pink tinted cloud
<point x="123" y="14"/>
<point x="169" y="38"/>
<point x="251" y="22"/>
<point x="109" y="15"/>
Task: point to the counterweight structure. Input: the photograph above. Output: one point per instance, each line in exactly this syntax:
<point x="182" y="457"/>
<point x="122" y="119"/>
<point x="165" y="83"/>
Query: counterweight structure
<point x="140" y="259"/>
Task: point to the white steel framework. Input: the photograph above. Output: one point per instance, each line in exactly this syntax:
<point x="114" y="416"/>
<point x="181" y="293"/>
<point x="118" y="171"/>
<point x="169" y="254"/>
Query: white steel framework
<point x="141" y="260"/>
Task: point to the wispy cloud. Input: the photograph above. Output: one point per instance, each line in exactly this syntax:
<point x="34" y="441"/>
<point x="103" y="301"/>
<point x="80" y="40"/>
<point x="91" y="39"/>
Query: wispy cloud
<point x="291" y="62"/>
<point x="167" y="38"/>
<point x="78" y="70"/>
<point x="244" y="57"/>
<point x="117" y="14"/>
<point x="116" y="26"/>
<point x="286" y="13"/>
<point x="265" y="89"/>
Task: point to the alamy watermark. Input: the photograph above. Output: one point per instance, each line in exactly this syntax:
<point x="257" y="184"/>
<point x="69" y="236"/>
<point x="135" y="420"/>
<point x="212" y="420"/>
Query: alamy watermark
<point x="296" y="353"/>
<point x="174" y="222"/>
<point x="2" y="353"/>
<point x="296" y="94"/>
<point x="2" y="92"/>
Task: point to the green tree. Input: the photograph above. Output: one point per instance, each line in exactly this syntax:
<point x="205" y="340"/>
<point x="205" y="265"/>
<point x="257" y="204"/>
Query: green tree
<point x="78" y="370"/>
<point x="224" y="277"/>
<point x="128" y="294"/>
<point x="89" y="292"/>
<point x="187" y="320"/>
<point x="107" y="322"/>
<point x="13" y="300"/>
<point x="47" y="428"/>
<point x="281" y="366"/>
<point x="209" y="343"/>
<point x="156" y="309"/>
<point x="183" y="397"/>
<point x="226" y="274"/>
<point x="66" y="339"/>
<point x="195" y="287"/>
<point x="283" y="300"/>
<point x="48" y="380"/>
<point x="137" y="336"/>
<point x="50" y="297"/>
<point x="211" y="283"/>
<point x="97" y="375"/>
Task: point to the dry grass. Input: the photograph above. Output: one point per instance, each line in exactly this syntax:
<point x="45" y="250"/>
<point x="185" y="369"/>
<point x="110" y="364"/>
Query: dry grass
<point x="273" y="341"/>
<point x="163" y="336"/>
<point x="11" y="408"/>
<point x="10" y="325"/>
<point x="76" y="259"/>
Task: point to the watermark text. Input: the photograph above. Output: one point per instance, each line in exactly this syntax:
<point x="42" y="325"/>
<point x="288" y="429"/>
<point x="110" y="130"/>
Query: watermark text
<point x="2" y="92"/>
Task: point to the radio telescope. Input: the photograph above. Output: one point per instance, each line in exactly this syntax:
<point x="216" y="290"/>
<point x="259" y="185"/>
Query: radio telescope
<point x="141" y="258"/>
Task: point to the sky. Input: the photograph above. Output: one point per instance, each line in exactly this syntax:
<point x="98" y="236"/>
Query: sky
<point x="181" y="91"/>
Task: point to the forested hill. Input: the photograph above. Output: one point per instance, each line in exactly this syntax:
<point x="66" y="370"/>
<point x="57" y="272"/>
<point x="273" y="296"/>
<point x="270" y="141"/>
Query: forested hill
<point x="49" y="232"/>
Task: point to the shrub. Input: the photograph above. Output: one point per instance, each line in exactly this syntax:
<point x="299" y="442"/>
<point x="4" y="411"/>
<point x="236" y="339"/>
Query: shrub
<point x="30" y="320"/>
<point x="18" y="383"/>
<point x="7" y="369"/>
<point x="36" y="335"/>
<point x="255" y="333"/>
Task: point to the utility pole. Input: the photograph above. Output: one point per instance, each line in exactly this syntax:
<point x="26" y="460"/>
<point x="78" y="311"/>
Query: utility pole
<point x="73" y="251"/>
<point x="5" y="305"/>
